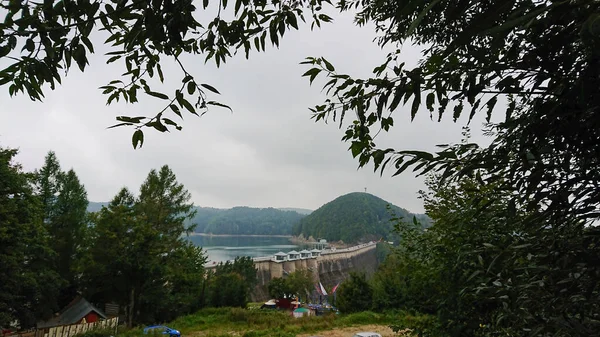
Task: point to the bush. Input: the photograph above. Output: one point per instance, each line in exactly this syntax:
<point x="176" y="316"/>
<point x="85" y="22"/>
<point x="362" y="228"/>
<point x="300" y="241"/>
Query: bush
<point x="364" y="317"/>
<point x="98" y="333"/>
<point x="422" y="325"/>
<point x="354" y="294"/>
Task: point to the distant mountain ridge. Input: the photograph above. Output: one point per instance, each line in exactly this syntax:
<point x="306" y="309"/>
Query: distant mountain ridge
<point x="354" y="217"/>
<point x="94" y="206"/>
<point x="240" y="220"/>
<point x="245" y="221"/>
<point x="303" y="211"/>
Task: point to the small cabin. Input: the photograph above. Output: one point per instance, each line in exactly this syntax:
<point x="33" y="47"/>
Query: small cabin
<point x="280" y="257"/>
<point x="76" y="312"/>
<point x="315" y="252"/>
<point x="305" y="254"/>
<point x="293" y="255"/>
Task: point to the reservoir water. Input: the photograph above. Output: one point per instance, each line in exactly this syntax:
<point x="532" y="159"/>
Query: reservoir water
<point x="223" y="248"/>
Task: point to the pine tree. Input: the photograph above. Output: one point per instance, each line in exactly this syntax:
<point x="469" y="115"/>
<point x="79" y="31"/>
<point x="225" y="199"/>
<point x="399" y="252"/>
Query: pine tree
<point x="28" y="285"/>
<point x="64" y="203"/>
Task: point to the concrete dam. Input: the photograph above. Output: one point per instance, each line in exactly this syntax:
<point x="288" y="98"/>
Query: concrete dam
<point x="328" y="266"/>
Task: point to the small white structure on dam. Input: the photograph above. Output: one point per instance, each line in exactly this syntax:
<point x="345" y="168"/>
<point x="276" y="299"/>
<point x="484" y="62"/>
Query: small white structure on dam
<point x="280" y="257"/>
<point x="305" y="254"/>
<point x="293" y="255"/>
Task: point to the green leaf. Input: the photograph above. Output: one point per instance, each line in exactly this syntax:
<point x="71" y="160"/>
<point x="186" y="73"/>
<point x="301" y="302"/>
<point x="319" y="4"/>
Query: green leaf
<point x="158" y="126"/>
<point x="430" y="101"/>
<point x="312" y="73"/>
<point x="457" y="111"/>
<point x="80" y="58"/>
<point x="219" y="104"/>
<point x="292" y="21"/>
<point x="176" y="110"/>
<point x="273" y="33"/>
<point x="187" y="105"/>
<point x="474" y="109"/>
<point x="490" y="107"/>
<point x="120" y="124"/>
<point x="29" y="45"/>
<point x="160" y="73"/>
<point x="130" y="119"/>
<point x="87" y="43"/>
<point x="169" y="122"/>
<point x="157" y="94"/>
<point x="137" y="139"/>
<point x="191" y="87"/>
<point x="113" y="59"/>
<point x="415" y="107"/>
<point x="211" y="88"/>
<point x="328" y="65"/>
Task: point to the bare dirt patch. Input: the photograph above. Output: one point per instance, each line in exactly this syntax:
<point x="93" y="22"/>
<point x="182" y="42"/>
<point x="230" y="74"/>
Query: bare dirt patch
<point x="384" y="330"/>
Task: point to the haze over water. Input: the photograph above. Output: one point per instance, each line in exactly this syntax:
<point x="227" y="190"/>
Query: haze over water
<point x="223" y="248"/>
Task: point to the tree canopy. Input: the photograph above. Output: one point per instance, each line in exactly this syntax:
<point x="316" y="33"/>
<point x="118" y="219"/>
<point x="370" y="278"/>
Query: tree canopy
<point x="487" y="273"/>
<point x="29" y="285"/>
<point x="132" y="252"/>
<point x="299" y="283"/>
<point x="231" y="283"/>
<point x="539" y="57"/>
<point x="42" y="41"/>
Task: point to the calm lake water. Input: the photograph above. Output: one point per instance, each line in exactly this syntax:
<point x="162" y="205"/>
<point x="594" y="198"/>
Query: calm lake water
<point x="223" y="248"/>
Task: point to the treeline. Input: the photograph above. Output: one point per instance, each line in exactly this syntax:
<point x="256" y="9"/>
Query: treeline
<point x="485" y="271"/>
<point x="354" y="217"/>
<point x="245" y="221"/>
<point x="132" y="252"/>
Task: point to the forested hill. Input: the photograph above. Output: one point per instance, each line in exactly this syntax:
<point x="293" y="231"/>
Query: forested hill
<point x="245" y="221"/>
<point x="239" y="220"/>
<point x="353" y="217"/>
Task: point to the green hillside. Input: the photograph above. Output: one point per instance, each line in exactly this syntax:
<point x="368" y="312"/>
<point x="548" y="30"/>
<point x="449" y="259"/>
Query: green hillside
<point x="245" y="221"/>
<point x="239" y="220"/>
<point x="353" y="217"/>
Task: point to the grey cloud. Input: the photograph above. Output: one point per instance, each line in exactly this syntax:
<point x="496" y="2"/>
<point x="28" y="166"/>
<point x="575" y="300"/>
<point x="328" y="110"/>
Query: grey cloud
<point x="267" y="153"/>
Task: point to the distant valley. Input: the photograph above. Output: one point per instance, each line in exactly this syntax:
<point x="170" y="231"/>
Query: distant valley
<point x="350" y="218"/>
<point x="240" y="220"/>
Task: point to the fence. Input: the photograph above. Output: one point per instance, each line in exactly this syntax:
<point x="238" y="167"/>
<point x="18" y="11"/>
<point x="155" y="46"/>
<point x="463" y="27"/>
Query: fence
<point x="74" y="329"/>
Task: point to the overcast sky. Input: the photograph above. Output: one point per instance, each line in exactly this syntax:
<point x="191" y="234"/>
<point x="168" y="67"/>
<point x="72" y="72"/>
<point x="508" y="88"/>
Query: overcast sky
<point x="268" y="153"/>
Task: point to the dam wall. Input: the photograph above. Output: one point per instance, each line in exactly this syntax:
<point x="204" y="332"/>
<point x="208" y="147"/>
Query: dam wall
<point x="329" y="268"/>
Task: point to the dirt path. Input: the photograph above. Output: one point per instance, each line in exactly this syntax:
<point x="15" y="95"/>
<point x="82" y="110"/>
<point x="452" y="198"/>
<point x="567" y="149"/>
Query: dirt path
<point x="384" y="330"/>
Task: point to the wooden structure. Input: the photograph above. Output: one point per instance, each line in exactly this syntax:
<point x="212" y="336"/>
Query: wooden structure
<point x="78" y="311"/>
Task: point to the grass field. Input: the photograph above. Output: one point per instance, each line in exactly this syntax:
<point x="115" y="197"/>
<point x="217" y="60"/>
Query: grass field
<point x="252" y="322"/>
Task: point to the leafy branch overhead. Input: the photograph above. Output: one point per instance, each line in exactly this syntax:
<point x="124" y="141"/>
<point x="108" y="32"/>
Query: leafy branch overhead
<point x="42" y="40"/>
<point x="535" y="61"/>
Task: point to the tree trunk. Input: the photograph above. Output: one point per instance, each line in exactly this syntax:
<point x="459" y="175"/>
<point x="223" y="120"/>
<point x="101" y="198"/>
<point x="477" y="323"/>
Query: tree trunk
<point x="130" y="308"/>
<point x="203" y="294"/>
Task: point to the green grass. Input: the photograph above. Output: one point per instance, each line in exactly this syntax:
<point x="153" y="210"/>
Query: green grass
<point x="220" y="322"/>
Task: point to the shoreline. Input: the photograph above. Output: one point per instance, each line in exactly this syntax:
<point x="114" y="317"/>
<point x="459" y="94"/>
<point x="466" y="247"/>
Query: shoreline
<point x="241" y="235"/>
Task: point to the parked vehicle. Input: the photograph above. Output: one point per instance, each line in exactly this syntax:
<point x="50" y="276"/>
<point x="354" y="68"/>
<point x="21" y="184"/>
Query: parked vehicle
<point x="163" y="330"/>
<point x="366" y="334"/>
